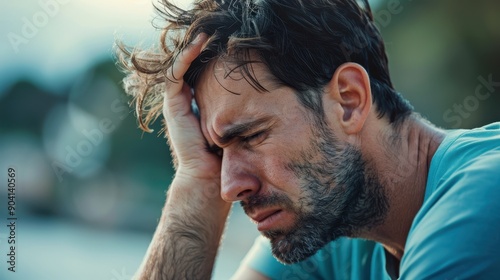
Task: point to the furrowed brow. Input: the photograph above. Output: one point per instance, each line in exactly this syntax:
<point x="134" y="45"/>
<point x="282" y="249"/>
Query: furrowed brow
<point x="238" y="130"/>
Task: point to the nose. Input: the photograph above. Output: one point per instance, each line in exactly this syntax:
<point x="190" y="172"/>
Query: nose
<point x="238" y="180"/>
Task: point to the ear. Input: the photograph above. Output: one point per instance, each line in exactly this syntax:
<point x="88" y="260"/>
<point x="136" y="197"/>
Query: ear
<point x="350" y="89"/>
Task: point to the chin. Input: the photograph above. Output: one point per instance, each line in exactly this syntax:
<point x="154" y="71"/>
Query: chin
<point x="289" y="253"/>
<point x="297" y="245"/>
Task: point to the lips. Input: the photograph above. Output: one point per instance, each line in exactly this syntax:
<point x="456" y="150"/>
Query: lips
<point x="266" y="219"/>
<point x="260" y="216"/>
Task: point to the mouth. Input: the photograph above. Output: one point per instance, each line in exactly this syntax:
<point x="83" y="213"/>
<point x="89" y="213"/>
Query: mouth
<point x="265" y="220"/>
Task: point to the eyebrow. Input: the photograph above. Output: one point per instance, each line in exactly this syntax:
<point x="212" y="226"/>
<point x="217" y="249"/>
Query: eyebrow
<point x="238" y="130"/>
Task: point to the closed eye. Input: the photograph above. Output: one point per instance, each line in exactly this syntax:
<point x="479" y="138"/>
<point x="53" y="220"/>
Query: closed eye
<point x="254" y="139"/>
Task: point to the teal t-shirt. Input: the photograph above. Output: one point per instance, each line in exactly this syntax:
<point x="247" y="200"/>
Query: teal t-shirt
<point x="455" y="235"/>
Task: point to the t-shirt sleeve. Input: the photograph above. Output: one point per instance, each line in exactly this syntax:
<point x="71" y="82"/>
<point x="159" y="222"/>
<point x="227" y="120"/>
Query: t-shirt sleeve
<point x="457" y="235"/>
<point x="344" y="258"/>
<point x="261" y="259"/>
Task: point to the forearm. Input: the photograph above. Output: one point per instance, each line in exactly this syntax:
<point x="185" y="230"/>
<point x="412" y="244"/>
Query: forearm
<point x="187" y="238"/>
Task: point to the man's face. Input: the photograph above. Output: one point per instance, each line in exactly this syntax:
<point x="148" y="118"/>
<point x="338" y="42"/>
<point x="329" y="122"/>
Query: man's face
<point x="295" y="179"/>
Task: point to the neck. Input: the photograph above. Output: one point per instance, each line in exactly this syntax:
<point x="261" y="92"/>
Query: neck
<point x="402" y="161"/>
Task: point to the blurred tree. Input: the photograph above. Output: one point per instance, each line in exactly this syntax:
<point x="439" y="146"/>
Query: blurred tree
<point x="440" y="52"/>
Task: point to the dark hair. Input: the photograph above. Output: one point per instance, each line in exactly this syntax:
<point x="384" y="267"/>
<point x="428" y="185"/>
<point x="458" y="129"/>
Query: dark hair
<point x="302" y="42"/>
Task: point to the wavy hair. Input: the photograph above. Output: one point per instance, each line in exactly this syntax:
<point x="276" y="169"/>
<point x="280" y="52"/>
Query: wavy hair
<point x="301" y="42"/>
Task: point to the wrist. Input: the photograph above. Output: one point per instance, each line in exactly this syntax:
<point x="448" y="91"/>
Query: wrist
<point x="199" y="196"/>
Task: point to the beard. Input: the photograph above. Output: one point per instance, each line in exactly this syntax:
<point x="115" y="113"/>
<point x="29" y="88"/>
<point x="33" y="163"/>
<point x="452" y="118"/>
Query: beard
<point x="339" y="197"/>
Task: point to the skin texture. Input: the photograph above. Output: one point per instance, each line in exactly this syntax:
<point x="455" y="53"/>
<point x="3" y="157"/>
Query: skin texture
<point x="268" y="152"/>
<point x="321" y="187"/>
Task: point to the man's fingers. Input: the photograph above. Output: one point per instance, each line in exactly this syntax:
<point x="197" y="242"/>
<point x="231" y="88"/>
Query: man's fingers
<point x="185" y="58"/>
<point x="177" y="99"/>
<point x="177" y="103"/>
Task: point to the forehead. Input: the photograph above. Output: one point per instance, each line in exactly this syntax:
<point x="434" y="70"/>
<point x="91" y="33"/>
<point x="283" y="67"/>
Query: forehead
<point x="225" y="97"/>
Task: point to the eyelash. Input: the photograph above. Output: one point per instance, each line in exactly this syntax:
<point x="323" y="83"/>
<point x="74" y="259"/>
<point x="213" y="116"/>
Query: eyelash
<point x="248" y="139"/>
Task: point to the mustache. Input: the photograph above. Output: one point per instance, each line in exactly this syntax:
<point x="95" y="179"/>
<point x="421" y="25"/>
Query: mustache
<point x="257" y="201"/>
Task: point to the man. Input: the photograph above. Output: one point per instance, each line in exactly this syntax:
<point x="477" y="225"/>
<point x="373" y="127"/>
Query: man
<point x="299" y="122"/>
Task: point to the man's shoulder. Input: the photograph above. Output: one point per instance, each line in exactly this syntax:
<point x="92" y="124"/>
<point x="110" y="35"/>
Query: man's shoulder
<point x="457" y="231"/>
<point x="464" y="148"/>
<point x="467" y="163"/>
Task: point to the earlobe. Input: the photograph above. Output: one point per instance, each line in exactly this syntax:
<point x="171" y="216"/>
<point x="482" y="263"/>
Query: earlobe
<point x="350" y="87"/>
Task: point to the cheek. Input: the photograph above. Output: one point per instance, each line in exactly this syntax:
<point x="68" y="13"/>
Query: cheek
<point x="282" y="180"/>
<point x="277" y="175"/>
<point x="285" y="147"/>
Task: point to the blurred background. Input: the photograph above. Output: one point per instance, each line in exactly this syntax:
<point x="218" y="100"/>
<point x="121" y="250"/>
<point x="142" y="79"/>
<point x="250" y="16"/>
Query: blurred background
<point x="91" y="185"/>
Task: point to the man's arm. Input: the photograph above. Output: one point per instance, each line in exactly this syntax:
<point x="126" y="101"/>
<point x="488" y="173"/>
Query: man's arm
<point x="186" y="240"/>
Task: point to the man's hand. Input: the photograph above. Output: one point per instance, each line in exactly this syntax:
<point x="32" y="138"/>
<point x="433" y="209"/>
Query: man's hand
<point x="187" y="238"/>
<point x="185" y="137"/>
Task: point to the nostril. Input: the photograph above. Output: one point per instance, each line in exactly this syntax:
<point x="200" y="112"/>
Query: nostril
<point x="243" y="193"/>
